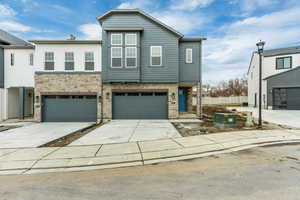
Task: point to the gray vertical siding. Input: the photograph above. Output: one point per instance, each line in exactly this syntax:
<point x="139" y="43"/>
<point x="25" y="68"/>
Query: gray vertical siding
<point x="1" y="68"/>
<point x="152" y="35"/>
<point x="284" y="80"/>
<point x="190" y="72"/>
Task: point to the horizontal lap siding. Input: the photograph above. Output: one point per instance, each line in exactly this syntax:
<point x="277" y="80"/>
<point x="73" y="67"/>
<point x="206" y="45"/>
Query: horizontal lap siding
<point x="153" y="35"/>
<point x="189" y="72"/>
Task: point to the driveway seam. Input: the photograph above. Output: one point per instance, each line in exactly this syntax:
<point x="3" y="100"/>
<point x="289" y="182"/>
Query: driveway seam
<point x="177" y="142"/>
<point x="40" y="160"/>
<point x="98" y="150"/>
<point x="133" y="132"/>
<point x="140" y="152"/>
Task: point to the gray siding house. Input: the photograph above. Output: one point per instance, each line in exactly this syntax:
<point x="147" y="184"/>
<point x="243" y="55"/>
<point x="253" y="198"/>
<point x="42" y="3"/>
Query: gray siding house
<point x="148" y="69"/>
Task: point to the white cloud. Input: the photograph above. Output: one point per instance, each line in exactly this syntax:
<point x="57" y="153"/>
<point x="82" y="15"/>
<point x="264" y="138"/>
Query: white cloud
<point x="181" y="21"/>
<point x="141" y="4"/>
<point x="228" y="56"/>
<point x="6" y="11"/>
<point x="90" y="31"/>
<point x="14" y="26"/>
<point x="189" y="4"/>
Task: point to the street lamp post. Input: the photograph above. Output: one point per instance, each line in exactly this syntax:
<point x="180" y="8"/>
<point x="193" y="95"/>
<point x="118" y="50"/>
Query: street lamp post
<point x="260" y="47"/>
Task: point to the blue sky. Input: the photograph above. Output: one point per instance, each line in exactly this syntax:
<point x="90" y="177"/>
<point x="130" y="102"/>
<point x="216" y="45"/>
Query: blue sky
<point x="231" y="26"/>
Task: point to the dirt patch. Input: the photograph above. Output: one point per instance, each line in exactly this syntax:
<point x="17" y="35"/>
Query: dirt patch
<point x="5" y="128"/>
<point x="68" y="139"/>
<point x="207" y="124"/>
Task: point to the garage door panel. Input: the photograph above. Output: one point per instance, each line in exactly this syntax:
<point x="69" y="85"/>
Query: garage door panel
<point x="69" y="110"/>
<point x="293" y="98"/>
<point x="140" y="107"/>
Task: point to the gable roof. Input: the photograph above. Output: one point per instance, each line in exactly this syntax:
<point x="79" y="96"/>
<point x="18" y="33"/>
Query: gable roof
<point x="9" y="39"/>
<point x="102" y="17"/>
<point x="274" y="75"/>
<point x="282" y="51"/>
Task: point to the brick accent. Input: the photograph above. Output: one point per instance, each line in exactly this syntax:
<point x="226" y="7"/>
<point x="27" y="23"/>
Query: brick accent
<point x="190" y="100"/>
<point x="171" y="88"/>
<point x="66" y="84"/>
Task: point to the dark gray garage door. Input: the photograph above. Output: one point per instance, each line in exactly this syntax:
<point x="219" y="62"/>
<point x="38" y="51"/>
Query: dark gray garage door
<point x="69" y="108"/>
<point x="286" y="98"/>
<point x="140" y="105"/>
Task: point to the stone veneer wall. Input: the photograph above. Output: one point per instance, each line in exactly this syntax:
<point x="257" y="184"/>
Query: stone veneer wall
<point x="190" y="100"/>
<point x="171" y="88"/>
<point x="66" y="83"/>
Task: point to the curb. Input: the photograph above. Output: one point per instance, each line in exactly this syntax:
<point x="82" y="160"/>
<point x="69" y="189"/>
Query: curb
<point x="141" y="161"/>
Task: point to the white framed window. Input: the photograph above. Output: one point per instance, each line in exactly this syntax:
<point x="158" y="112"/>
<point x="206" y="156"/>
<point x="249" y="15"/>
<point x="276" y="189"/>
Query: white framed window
<point x="116" y="39"/>
<point x="49" y="60"/>
<point x="31" y="59"/>
<point x="188" y="55"/>
<point x="12" y="59"/>
<point x="69" y="61"/>
<point x="89" y="60"/>
<point x="156" y="55"/>
<point x="116" y="57"/>
<point x="130" y="38"/>
<point x="130" y="57"/>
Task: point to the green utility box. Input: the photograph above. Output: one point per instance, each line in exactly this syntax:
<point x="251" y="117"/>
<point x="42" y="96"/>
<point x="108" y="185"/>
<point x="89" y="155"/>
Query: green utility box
<point x="225" y="120"/>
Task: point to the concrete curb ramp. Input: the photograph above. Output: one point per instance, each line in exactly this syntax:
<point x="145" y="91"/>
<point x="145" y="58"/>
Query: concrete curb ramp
<point x="78" y="158"/>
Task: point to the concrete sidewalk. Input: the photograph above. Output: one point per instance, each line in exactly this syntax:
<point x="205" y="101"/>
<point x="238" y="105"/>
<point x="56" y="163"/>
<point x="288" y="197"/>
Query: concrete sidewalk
<point x="77" y="158"/>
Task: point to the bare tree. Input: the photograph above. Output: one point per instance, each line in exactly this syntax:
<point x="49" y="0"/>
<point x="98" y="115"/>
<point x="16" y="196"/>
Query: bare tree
<point x="232" y="87"/>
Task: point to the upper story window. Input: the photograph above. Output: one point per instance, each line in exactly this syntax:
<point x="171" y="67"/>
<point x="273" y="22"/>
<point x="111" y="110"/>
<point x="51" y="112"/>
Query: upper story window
<point x="116" y="57"/>
<point x="12" y="59"/>
<point x="130" y="56"/>
<point x="69" y="61"/>
<point x="156" y="55"/>
<point x="188" y="55"/>
<point x="31" y="59"/>
<point x="284" y="62"/>
<point x="49" y="61"/>
<point x="89" y="61"/>
<point x="130" y="39"/>
<point x="116" y="39"/>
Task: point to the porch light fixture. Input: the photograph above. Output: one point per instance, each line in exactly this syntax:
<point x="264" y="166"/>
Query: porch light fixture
<point x="107" y="95"/>
<point x="260" y="49"/>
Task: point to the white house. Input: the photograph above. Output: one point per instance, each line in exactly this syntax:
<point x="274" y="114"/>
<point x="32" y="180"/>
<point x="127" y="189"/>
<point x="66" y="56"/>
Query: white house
<point x="281" y="79"/>
<point x="22" y="59"/>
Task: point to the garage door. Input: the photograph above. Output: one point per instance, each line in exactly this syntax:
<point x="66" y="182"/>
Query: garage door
<point x="286" y="98"/>
<point x="69" y="108"/>
<point x="140" y="105"/>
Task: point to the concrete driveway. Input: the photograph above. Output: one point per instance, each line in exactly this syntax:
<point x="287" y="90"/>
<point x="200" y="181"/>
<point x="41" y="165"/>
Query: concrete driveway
<point x="120" y="131"/>
<point x="283" y="117"/>
<point x="36" y="134"/>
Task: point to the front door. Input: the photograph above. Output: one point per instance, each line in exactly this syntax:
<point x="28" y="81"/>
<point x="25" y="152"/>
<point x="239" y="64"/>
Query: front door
<point x="182" y="99"/>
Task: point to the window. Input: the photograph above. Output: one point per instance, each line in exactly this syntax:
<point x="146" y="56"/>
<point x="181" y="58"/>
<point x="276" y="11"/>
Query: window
<point x="69" y="61"/>
<point x="116" y="57"/>
<point x="284" y="63"/>
<point x="189" y="56"/>
<point x="116" y="39"/>
<point x="49" y="61"/>
<point x="31" y="59"/>
<point x="156" y="55"/>
<point x="89" y="60"/>
<point x="130" y="39"/>
<point x="12" y="59"/>
<point x="130" y="56"/>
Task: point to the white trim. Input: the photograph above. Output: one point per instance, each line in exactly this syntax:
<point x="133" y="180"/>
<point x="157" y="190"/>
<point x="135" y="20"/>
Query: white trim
<point x="111" y="57"/>
<point x="131" y="57"/>
<point x="186" y="55"/>
<point x="111" y="36"/>
<point x="127" y="34"/>
<point x="155" y="56"/>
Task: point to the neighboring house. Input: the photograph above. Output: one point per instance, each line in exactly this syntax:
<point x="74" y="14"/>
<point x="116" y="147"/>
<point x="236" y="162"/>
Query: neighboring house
<point x="142" y="69"/>
<point x="281" y="79"/>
